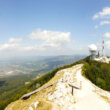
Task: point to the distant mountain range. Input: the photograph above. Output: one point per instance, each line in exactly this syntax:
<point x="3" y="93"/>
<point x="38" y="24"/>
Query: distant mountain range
<point x="27" y="65"/>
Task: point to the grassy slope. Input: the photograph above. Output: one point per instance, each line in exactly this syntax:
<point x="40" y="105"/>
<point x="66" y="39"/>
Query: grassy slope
<point x="41" y="97"/>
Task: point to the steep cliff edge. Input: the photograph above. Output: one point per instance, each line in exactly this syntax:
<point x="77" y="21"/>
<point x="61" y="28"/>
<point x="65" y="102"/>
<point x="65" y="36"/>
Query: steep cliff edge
<point x="72" y="91"/>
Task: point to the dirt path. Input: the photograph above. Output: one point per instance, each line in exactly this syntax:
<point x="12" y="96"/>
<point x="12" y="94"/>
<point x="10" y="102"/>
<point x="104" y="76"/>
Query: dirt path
<point x="62" y="95"/>
<point x="87" y="98"/>
<point x="84" y="99"/>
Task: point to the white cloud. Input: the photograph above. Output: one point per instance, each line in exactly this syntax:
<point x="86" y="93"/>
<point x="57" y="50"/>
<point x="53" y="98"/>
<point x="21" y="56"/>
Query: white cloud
<point x="8" y="46"/>
<point x="107" y="34"/>
<point x="101" y="24"/>
<point x="15" y="40"/>
<point x="104" y="22"/>
<point x="13" y="43"/>
<point x="51" y="38"/>
<point x="108" y="44"/>
<point x="105" y="13"/>
<point x="39" y="42"/>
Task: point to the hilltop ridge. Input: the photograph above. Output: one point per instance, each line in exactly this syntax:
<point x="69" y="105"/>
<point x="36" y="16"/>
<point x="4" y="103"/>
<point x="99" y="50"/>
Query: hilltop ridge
<point x="59" y="96"/>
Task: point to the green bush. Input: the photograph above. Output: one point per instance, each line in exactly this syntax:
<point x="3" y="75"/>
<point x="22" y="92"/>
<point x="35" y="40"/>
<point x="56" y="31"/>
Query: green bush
<point x="98" y="73"/>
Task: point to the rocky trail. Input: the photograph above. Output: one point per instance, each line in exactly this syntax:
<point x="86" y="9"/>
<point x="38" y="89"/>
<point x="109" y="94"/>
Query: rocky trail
<point x="85" y="98"/>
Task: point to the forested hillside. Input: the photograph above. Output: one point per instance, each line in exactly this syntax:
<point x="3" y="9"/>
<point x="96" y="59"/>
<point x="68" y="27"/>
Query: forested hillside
<point x="98" y="73"/>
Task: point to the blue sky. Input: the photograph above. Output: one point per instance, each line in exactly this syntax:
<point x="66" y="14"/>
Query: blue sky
<point x="20" y="18"/>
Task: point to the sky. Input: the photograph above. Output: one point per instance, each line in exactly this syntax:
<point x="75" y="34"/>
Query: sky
<point x="53" y="27"/>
